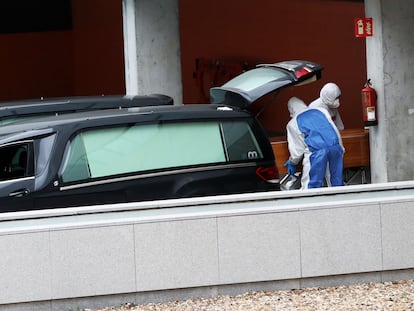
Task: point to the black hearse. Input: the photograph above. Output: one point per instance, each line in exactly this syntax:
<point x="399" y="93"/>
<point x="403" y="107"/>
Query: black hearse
<point x="146" y="153"/>
<point x="133" y="154"/>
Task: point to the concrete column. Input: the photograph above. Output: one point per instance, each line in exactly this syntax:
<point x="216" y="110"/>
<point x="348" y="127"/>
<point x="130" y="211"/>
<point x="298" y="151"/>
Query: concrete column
<point x="390" y="66"/>
<point x="130" y="47"/>
<point x="152" y="48"/>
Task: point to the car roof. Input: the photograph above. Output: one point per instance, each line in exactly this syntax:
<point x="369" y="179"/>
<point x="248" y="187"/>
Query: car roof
<point x="41" y="126"/>
<point x="79" y="103"/>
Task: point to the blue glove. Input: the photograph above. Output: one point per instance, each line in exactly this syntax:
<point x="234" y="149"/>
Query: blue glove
<point x="291" y="167"/>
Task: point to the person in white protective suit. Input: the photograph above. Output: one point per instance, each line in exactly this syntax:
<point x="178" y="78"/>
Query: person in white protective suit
<point x="329" y="100"/>
<point x="313" y="138"/>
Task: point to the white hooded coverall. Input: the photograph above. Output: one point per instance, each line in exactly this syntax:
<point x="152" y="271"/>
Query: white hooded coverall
<point x="328" y="100"/>
<point x="313" y="138"/>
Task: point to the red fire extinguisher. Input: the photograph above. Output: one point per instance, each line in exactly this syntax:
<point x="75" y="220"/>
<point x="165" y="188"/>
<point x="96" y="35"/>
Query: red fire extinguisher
<point x="369" y="104"/>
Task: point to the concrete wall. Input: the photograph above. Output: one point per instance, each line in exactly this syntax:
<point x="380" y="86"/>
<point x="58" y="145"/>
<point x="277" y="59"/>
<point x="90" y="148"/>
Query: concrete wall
<point x="205" y="246"/>
<point x="390" y="54"/>
<point x="152" y="48"/>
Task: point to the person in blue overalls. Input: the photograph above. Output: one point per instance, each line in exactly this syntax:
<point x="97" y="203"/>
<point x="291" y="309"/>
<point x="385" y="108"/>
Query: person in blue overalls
<point x="329" y="100"/>
<point x="313" y="139"/>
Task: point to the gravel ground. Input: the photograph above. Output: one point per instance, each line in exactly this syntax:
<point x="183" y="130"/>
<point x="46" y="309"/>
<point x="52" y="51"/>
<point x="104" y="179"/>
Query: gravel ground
<point x="372" y="296"/>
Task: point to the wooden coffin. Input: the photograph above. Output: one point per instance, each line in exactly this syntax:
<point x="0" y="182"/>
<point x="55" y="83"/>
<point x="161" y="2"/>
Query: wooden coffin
<point x="356" y="143"/>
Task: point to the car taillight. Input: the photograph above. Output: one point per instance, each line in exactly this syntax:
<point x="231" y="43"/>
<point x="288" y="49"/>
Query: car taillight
<point x="302" y="72"/>
<point x="268" y="173"/>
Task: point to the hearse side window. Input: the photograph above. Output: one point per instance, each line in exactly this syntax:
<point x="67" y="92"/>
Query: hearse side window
<point x="14" y="161"/>
<point x="112" y="151"/>
<point x="121" y="150"/>
<point x="240" y="142"/>
<point x="75" y="162"/>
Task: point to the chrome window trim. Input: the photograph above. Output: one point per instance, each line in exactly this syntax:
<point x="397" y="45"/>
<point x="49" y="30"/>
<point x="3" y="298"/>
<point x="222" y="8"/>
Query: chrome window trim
<point x="17" y="142"/>
<point x="166" y="172"/>
<point x="2" y="182"/>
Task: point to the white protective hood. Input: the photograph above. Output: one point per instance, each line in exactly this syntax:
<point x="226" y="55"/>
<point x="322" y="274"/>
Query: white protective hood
<point x="296" y="106"/>
<point x="329" y="100"/>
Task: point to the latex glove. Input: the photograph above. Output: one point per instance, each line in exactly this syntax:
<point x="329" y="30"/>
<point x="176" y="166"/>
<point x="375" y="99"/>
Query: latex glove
<point x="291" y="167"/>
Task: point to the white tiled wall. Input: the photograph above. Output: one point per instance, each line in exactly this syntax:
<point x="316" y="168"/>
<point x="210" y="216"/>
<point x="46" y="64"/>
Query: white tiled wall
<point x="193" y="247"/>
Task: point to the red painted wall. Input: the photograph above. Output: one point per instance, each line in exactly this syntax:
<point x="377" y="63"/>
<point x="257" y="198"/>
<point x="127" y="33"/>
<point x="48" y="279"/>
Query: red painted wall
<point x="89" y="59"/>
<point x="98" y="48"/>
<point x="265" y="31"/>
<point x="85" y="61"/>
<point x="35" y="64"/>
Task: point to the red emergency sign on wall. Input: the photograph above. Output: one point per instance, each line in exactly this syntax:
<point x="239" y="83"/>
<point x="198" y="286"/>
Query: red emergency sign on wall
<point x="364" y="27"/>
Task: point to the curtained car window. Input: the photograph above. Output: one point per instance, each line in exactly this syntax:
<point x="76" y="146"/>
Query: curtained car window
<point x="146" y="147"/>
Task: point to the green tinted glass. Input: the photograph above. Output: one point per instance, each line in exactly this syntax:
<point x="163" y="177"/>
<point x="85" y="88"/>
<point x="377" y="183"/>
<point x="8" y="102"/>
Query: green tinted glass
<point x="138" y="148"/>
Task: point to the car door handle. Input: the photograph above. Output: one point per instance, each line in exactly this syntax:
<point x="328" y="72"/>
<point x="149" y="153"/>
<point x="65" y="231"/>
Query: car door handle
<point x="19" y="193"/>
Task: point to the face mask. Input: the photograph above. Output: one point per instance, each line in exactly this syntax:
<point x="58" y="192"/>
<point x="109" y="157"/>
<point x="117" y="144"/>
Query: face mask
<point x="335" y="104"/>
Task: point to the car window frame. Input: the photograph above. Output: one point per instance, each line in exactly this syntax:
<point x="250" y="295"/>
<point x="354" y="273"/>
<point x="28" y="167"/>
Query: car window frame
<point x="29" y="167"/>
<point x="251" y="125"/>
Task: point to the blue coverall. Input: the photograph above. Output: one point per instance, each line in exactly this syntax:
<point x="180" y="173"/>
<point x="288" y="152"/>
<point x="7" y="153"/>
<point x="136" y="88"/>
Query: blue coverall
<point x="314" y="139"/>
